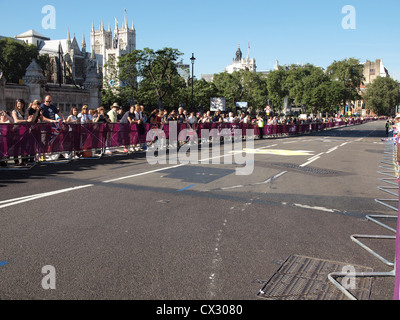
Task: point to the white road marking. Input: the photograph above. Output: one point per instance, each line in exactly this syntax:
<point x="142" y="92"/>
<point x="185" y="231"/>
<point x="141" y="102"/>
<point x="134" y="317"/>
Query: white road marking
<point x="13" y="202"/>
<point x="315" y="208"/>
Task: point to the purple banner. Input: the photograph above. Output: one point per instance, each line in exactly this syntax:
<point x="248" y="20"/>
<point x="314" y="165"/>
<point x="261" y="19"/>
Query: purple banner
<point x="29" y="139"/>
<point x="396" y="295"/>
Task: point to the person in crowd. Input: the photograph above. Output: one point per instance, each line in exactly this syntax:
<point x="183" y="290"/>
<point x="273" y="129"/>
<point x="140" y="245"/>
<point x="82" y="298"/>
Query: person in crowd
<point x="33" y="112"/>
<point x="143" y="114"/>
<point x="102" y="116"/>
<point x="33" y="115"/>
<point x="164" y="119"/>
<point x="247" y="119"/>
<point x="231" y="118"/>
<point x="5" y="117"/>
<point x="18" y="114"/>
<point x="153" y="117"/>
<point x="129" y="116"/>
<point x="260" y="124"/>
<point x="172" y="116"/>
<point x="73" y="116"/>
<point x="387" y="126"/>
<point x="112" y="114"/>
<point x="49" y="110"/>
<point x="181" y="118"/>
<point x="216" y="117"/>
<point x="139" y="113"/>
<point x="94" y="114"/>
<point x="192" y="119"/>
<point x="120" y="114"/>
<point x="85" y="116"/>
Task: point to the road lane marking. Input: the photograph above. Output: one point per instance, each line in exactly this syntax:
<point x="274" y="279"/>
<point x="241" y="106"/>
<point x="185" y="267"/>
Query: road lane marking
<point x="315" y="208"/>
<point x="13" y="202"/>
<point x="188" y="187"/>
<point x="309" y="162"/>
<point x="143" y="173"/>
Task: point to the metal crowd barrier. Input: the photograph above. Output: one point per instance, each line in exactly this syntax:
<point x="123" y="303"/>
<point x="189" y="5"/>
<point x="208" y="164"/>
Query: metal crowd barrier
<point x="49" y="143"/>
<point x="390" y="158"/>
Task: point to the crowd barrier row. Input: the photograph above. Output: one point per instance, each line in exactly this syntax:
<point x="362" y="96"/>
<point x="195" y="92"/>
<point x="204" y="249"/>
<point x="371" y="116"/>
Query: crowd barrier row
<point x="46" y="138"/>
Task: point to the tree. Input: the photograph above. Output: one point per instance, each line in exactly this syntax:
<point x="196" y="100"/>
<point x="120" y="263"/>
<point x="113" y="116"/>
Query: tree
<point x="160" y="81"/>
<point x="229" y="86"/>
<point x="255" y="90"/>
<point x="382" y="95"/>
<point x="15" y="57"/>
<point x="350" y="72"/>
<point x="277" y="90"/>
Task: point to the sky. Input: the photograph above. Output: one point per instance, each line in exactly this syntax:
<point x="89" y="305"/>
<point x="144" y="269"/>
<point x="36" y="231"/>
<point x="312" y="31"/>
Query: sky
<point x="318" y="32"/>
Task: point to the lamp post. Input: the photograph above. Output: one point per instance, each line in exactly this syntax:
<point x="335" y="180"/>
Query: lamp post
<point x="192" y="59"/>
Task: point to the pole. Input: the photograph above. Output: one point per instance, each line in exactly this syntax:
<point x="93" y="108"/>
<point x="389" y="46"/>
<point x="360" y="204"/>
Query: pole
<point x="192" y="59"/>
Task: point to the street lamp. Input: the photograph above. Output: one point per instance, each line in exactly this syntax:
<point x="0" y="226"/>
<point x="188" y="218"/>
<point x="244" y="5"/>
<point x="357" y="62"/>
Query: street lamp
<point x="192" y="59"/>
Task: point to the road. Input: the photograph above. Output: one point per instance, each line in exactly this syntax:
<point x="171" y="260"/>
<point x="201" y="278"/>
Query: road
<point x="120" y="228"/>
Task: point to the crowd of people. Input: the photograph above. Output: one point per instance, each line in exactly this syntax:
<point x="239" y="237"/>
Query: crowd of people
<point x="47" y="112"/>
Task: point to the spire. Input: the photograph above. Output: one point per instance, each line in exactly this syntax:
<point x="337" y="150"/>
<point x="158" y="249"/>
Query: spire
<point x="83" y="43"/>
<point x="68" y="41"/>
<point x="102" y="25"/>
<point x="238" y="54"/>
<point x="125" y="20"/>
<point x="116" y="25"/>
<point x="93" y="26"/>
<point x="133" y="25"/>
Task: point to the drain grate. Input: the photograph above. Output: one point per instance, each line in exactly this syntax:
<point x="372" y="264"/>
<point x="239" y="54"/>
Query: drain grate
<point x="304" y="278"/>
<point x="309" y="170"/>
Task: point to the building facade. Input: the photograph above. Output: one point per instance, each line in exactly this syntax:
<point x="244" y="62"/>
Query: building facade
<point x="240" y="63"/>
<point x="108" y="47"/>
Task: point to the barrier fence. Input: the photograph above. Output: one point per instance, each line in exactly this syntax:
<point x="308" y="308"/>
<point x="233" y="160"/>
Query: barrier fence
<point x="390" y="165"/>
<point x="24" y="140"/>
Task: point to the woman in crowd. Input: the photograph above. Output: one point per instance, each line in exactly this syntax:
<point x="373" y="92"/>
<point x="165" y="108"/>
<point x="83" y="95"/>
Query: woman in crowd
<point x="94" y="113"/>
<point x="33" y="112"/>
<point x="102" y="116"/>
<point x="73" y="116"/>
<point x="172" y="116"/>
<point x="18" y="114"/>
<point x="85" y="116"/>
<point x="5" y="117"/>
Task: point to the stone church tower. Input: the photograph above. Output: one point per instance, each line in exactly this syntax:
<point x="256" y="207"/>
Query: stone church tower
<point x="108" y="46"/>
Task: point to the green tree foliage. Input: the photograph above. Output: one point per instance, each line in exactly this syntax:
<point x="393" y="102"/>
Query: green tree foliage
<point x="382" y="95"/>
<point x="151" y="78"/>
<point x="350" y="73"/>
<point x="15" y="57"/>
<point x="160" y="83"/>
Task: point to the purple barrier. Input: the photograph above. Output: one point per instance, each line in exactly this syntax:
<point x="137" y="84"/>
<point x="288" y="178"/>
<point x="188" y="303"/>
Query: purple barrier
<point x="30" y="139"/>
<point x="396" y="295"/>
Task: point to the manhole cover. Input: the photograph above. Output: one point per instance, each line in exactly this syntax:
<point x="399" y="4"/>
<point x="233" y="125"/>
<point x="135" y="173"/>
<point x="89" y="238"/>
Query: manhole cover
<point x="304" y="278"/>
<point x="309" y="170"/>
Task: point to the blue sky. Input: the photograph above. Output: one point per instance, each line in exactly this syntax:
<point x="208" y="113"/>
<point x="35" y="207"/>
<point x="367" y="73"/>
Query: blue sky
<point x="290" y="31"/>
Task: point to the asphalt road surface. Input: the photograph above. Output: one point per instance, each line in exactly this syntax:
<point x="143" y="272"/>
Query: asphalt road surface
<point x="120" y="228"/>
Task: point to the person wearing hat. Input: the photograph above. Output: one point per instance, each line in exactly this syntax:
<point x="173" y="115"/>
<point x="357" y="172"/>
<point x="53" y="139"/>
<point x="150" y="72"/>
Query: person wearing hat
<point x="112" y="114"/>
